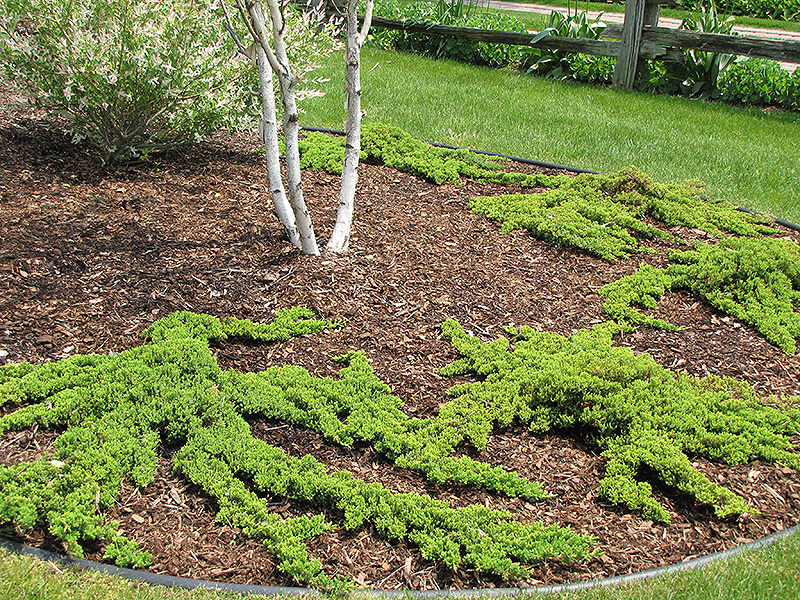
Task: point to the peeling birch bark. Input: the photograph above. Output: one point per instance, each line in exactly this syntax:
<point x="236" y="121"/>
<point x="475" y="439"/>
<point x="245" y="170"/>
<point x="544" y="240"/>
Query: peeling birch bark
<point x="269" y="134"/>
<point x="268" y="127"/>
<point x="340" y="238"/>
<point x="279" y="61"/>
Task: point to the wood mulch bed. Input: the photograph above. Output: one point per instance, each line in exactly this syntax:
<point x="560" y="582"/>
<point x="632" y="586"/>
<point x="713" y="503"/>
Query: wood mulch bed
<point x="90" y="256"/>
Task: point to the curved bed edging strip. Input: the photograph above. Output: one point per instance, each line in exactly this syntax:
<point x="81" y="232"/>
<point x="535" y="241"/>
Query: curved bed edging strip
<point x="268" y="590"/>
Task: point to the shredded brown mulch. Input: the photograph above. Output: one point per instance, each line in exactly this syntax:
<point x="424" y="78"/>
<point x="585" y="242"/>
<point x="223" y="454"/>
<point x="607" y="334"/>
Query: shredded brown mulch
<point x="90" y="256"/>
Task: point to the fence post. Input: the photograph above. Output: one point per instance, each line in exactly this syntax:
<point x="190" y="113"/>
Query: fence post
<point x="652" y="11"/>
<point x="628" y="57"/>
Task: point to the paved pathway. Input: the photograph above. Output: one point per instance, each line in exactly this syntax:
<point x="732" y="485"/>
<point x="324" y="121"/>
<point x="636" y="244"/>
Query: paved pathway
<point x="610" y="17"/>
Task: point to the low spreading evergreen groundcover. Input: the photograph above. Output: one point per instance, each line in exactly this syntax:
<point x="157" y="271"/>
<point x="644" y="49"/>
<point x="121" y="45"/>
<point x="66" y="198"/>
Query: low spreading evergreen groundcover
<point x="749" y="274"/>
<point x="113" y="413"/>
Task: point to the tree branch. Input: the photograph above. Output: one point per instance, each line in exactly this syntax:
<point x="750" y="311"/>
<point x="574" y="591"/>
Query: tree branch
<point x="362" y="36"/>
<point x="232" y="31"/>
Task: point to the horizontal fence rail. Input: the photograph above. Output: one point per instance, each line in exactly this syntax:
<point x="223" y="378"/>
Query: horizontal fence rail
<point x="516" y="38"/>
<point x="784" y="51"/>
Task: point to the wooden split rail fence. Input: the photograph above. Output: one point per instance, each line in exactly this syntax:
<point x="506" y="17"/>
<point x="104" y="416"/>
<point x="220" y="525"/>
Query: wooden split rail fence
<point x="639" y="37"/>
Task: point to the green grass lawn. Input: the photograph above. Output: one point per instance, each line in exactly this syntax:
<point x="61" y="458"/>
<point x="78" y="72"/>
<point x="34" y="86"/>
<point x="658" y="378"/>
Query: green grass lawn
<point x="749" y="156"/>
<point x="769" y="574"/>
<point x="25" y="578"/>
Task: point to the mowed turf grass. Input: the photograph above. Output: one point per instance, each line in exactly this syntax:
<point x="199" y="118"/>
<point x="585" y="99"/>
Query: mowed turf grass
<point x="749" y="156"/>
<point x="771" y="573"/>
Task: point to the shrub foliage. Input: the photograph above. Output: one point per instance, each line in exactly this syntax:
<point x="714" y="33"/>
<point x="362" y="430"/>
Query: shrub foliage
<point x="115" y="411"/>
<point x="393" y="147"/>
<point x="752" y="277"/>
<point x="603" y="214"/>
<point x="643" y="417"/>
<point x="779" y="10"/>
<point x="755" y="280"/>
<point x="135" y="76"/>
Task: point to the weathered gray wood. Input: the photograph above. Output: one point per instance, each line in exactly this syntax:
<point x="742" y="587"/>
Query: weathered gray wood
<point x="628" y="57"/>
<point x="652" y="10"/>
<point x="584" y="46"/>
<point x="480" y="35"/>
<point x="613" y="31"/>
<point x="785" y="51"/>
<point x="656" y="42"/>
<point x="780" y="50"/>
<point x="652" y="51"/>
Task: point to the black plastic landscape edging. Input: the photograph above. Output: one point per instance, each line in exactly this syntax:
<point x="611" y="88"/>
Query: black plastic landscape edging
<point x="269" y="590"/>
<point x="150" y="578"/>
<point x="776" y="219"/>
<point x="539" y="163"/>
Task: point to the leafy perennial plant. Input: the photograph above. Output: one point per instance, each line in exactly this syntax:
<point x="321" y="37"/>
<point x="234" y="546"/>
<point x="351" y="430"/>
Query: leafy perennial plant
<point x="558" y="64"/>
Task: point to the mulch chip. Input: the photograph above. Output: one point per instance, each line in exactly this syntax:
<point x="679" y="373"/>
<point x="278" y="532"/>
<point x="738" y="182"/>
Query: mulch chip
<point x="90" y="256"/>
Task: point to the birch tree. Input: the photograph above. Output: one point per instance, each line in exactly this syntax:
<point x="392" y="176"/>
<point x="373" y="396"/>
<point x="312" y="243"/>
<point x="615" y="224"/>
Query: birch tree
<point x="269" y="134"/>
<point x="340" y="238"/>
<point x="253" y="14"/>
<point x="269" y="52"/>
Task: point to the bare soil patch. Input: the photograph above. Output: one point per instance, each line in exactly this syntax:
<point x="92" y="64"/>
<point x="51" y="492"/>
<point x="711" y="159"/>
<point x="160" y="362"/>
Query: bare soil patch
<point x="90" y="256"/>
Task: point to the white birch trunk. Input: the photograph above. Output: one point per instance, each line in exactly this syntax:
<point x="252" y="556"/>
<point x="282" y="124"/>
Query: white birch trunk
<point x="268" y="126"/>
<point x="269" y="133"/>
<point x="279" y="61"/>
<point x="340" y="238"/>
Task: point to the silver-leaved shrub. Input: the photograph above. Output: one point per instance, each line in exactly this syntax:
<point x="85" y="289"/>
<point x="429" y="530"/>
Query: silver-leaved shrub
<point x="135" y="76"/>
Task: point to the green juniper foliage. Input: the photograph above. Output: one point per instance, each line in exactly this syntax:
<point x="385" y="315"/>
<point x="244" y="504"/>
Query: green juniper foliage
<point x="359" y="407"/>
<point x="115" y="411"/>
<point x="756" y="280"/>
<point x="224" y="455"/>
<point x="642" y="288"/>
<point x="643" y="416"/>
<point x="603" y="214"/>
<point x="395" y="148"/>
